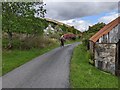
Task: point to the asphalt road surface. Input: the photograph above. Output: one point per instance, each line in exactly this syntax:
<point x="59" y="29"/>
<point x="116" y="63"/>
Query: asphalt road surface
<point x="50" y="70"/>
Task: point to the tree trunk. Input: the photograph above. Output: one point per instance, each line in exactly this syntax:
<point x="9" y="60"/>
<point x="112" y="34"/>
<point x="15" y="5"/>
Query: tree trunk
<point x="10" y="39"/>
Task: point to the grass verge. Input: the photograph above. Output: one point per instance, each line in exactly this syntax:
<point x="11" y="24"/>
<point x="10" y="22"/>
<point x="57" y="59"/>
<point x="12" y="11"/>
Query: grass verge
<point x="72" y="41"/>
<point x="84" y="75"/>
<point x="14" y="58"/>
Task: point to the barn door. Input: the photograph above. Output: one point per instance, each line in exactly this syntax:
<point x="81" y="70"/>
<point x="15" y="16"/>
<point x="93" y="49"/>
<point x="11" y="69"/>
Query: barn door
<point x="119" y="55"/>
<point x="118" y="59"/>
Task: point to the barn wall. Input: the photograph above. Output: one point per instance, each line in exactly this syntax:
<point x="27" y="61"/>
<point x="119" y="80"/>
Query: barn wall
<point x="105" y="57"/>
<point x="105" y="51"/>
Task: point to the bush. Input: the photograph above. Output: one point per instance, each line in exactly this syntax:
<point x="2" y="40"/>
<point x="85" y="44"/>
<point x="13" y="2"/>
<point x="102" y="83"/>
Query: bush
<point x="29" y="42"/>
<point x="86" y="43"/>
<point x="91" y="57"/>
<point x="37" y="42"/>
<point x="55" y="36"/>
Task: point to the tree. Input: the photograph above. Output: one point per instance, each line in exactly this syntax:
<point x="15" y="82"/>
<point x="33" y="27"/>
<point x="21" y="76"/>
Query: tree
<point x="96" y="27"/>
<point x="64" y="28"/>
<point x="19" y="16"/>
<point x="93" y="29"/>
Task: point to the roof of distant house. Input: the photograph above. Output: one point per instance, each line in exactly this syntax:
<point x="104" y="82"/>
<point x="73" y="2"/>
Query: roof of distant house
<point x="105" y="30"/>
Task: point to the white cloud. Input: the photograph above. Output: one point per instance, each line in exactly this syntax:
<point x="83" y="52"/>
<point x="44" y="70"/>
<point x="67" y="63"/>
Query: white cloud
<point x="72" y="10"/>
<point x="80" y="1"/>
<point x="81" y="25"/>
<point x="108" y="18"/>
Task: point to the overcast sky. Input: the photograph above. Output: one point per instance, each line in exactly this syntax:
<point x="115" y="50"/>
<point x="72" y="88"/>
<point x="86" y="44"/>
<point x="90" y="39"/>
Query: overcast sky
<point x="82" y="14"/>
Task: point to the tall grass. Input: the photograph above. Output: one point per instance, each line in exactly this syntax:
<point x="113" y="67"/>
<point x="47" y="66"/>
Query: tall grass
<point x="29" y="42"/>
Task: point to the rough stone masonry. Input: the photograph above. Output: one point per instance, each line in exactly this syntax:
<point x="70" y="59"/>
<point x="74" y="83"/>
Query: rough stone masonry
<point x="105" y="57"/>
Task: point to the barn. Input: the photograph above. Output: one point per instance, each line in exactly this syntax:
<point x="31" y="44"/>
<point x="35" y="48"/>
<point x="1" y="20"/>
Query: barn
<point x="105" y="47"/>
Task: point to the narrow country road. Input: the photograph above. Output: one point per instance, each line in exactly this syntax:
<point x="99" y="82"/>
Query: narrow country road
<point x="50" y="70"/>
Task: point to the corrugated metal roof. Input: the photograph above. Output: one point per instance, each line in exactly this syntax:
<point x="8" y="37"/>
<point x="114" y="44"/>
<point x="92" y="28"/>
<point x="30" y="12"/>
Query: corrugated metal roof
<point x="105" y="30"/>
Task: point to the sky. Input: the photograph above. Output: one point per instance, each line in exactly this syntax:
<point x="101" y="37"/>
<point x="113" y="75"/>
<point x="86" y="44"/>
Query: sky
<point x="81" y="15"/>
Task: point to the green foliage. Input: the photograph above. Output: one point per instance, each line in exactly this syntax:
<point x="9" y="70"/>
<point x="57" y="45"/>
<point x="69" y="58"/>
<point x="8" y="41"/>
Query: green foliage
<point x="64" y="28"/>
<point x="72" y="30"/>
<point x="19" y="17"/>
<point x="70" y="41"/>
<point x="29" y="42"/>
<point x="37" y="42"/>
<point x="85" y="42"/>
<point x="95" y="27"/>
<point x="92" y="30"/>
<point x="69" y="29"/>
<point x="23" y="9"/>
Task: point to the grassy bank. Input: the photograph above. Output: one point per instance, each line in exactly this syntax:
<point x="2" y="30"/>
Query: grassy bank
<point x="72" y="41"/>
<point x="84" y="75"/>
<point x="15" y="58"/>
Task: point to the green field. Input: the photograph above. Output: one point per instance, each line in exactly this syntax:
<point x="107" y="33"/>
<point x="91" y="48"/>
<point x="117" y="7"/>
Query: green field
<point x="14" y="58"/>
<point x="84" y="75"/>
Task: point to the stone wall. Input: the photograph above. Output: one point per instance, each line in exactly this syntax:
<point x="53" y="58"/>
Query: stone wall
<point x="105" y="57"/>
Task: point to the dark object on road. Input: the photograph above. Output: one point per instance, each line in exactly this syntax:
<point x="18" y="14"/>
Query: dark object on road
<point x="62" y="39"/>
